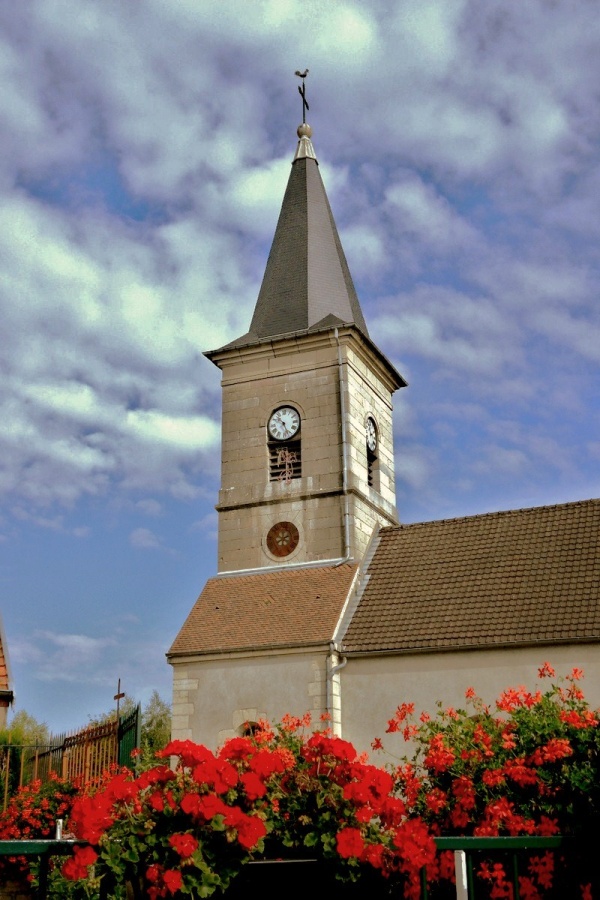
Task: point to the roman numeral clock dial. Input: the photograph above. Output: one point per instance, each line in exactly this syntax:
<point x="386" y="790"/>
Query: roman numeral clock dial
<point x="371" y="434"/>
<point x="284" y="423"/>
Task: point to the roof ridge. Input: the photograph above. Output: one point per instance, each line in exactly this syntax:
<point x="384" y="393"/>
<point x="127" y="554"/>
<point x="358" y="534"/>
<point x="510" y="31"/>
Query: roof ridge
<point x="287" y="570"/>
<point x="490" y="515"/>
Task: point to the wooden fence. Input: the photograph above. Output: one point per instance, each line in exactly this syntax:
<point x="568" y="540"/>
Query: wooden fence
<point x="80" y="756"/>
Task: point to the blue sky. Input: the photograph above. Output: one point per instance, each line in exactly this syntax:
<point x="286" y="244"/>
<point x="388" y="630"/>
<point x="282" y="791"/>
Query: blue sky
<point x="146" y="148"/>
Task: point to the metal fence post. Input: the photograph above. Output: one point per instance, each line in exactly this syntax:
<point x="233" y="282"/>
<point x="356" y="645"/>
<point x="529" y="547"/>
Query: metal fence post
<point x="460" y="870"/>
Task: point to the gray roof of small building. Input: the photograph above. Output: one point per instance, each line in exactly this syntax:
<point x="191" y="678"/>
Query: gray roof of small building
<point x="307" y="283"/>
<point x="521" y="577"/>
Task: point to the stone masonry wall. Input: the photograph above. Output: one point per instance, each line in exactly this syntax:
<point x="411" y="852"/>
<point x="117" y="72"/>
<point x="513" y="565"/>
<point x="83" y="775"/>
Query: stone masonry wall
<point x="304" y="373"/>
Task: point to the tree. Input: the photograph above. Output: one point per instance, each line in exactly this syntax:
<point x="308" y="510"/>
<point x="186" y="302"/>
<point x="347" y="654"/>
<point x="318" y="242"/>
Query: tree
<point x="24" y="729"/>
<point x="126" y="706"/>
<point x="156" y="724"/>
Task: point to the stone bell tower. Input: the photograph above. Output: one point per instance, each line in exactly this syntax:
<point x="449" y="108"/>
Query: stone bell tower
<point x="307" y="465"/>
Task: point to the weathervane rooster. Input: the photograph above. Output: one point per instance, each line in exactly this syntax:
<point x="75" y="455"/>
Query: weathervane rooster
<point x="302" y="92"/>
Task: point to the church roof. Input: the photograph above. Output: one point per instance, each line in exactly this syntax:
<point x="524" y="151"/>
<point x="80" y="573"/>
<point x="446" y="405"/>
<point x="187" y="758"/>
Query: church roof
<point x="508" y="578"/>
<point x="307" y="284"/>
<point x="263" y="610"/>
<point x="5" y="678"/>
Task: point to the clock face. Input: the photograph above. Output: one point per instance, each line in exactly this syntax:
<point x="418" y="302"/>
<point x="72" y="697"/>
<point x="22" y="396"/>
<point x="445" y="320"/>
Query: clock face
<point x="371" y="434"/>
<point x="284" y="423"/>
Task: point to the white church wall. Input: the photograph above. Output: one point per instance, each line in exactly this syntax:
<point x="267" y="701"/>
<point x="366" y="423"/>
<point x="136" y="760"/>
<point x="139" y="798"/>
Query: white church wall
<point x="372" y="688"/>
<point x="214" y="697"/>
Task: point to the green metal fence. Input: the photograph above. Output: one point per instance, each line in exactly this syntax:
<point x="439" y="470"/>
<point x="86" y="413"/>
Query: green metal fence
<point x="129" y="735"/>
<point x="468" y="852"/>
<point x="83" y="755"/>
<point x="42" y="851"/>
<point x="511" y="851"/>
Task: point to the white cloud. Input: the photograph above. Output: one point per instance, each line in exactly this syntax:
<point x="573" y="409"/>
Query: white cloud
<point x="365" y="247"/>
<point x="190" y="434"/>
<point x="208" y="525"/>
<point x="502" y="460"/>
<point x="149" y="507"/>
<point x="90" y="663"/>
<point x="345" y="29"/>
<point x="430" y="28"/>
<point x="146" y="159"/>
<point x="252" y="198"/>
<point x="581" y="333"/>
<point x="144" y="539"/>
<point x="414" y="466"/>
<point x="438" y="323"/>
<point x="422" y="213"/>
<point x="53" y="523"/>
<point x="62" y="656"/>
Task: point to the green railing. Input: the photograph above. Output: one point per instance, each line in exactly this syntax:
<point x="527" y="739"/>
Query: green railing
<point x="129" y="735"/>
<point x="42" y="850"/>
<point x="468" y="851"/>
<point x="466" y="848"/>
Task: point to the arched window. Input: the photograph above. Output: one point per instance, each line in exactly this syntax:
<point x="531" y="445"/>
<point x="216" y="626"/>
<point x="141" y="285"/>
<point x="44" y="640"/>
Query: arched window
<point x="284" y="444"/>
<point x="249" y="729"/>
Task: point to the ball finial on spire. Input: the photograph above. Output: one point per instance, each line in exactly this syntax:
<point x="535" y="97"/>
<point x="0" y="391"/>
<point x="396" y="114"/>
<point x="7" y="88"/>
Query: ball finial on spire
<point x="305" y="149"/>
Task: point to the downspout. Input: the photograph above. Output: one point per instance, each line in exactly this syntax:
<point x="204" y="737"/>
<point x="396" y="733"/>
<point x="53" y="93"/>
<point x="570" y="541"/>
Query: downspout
<point x="332" y="670"/>
<point x="346" y="510"/>
<point x="334" y="667"/>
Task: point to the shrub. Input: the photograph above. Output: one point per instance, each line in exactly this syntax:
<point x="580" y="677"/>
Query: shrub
<point x="527" y="766"/>
<point x="32" y="813"/>
<point x="190" y="829"/>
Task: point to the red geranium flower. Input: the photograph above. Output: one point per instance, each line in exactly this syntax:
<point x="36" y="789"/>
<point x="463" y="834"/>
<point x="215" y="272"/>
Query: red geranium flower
<point x="173" y="880"/>
<point x="250" y="830"/>
<point x="253" y="785"/>
<point x="184" y="844"/>
<point x="77" y="866"/>
<point x="349" y="842"/>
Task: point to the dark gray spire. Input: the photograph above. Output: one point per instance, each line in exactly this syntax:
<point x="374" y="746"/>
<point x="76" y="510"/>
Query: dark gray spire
<point x="307" y="283"/>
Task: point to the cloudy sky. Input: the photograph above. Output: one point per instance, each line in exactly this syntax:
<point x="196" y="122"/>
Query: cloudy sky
<point x="145" y="151"/>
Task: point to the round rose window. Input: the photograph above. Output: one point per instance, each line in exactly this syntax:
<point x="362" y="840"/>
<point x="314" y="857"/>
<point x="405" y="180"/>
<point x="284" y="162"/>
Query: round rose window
<point x="282" y="539"/>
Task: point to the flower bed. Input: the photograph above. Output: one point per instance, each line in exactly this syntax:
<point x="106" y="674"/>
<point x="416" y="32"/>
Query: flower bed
<point x="190" y="825"/>
<point x="529" y="765"/>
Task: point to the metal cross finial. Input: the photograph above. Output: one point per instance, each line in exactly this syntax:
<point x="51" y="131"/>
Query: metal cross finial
<point x="302" y="92"/>
<point x="118" y="696"/>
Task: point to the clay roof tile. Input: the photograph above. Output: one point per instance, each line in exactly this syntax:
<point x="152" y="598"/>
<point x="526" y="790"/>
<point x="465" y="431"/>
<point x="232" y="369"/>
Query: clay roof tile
<point x="281" y="608"/>
<point x="516" y="577"/>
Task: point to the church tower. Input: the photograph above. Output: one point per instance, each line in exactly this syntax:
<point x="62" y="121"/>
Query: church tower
<point x="307" y="476"/>
<point x="307" y="466"/>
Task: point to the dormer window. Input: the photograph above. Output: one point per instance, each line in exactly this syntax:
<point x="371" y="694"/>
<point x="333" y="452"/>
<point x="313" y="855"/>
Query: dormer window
<point x="284" y="445"/>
